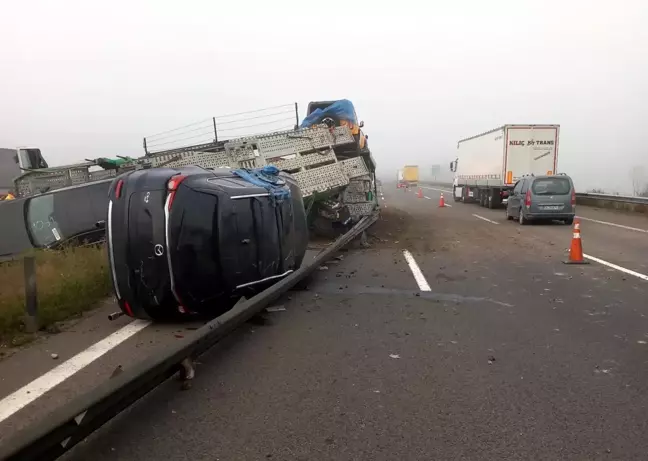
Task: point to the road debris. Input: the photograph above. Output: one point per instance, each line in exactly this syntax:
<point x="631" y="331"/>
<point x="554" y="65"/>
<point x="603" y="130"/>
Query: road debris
<point x="54" y="356"/>
<point x="394" y="356"/>
<point x="275" y="309"/>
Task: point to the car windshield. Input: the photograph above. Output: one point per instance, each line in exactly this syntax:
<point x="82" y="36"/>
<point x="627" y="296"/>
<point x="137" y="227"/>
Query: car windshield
<point x="551" y="186"/>
<point x="41" y="221"/>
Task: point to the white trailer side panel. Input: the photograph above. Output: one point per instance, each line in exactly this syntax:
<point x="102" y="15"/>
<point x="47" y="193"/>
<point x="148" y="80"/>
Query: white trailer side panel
<point x="481" y="159"/>
<point x="530" y="149"/>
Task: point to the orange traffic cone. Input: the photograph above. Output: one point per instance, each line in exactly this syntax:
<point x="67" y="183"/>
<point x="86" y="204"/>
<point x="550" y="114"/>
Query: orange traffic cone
<point x="441" y="201"/>
<point x="420" y="193"/>
<point x="576" y="249"/>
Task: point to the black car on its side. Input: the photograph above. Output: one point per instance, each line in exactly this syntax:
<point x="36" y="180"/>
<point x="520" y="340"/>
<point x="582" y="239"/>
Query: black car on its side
<point x="193" y="240"/>
<point x="62" y="217"/>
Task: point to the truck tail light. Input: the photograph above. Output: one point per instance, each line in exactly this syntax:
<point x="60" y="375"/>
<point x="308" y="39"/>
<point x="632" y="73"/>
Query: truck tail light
<point x="527" y="199"/>
<point x="172" y="187"/>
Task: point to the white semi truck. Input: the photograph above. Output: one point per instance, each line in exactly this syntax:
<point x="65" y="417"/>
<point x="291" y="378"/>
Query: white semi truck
<point x="489" y="164"/>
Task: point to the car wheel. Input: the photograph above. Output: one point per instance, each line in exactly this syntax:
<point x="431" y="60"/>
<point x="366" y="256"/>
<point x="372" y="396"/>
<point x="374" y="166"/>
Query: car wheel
<point x="569" y="221"/>
<point x="523" y="221"/>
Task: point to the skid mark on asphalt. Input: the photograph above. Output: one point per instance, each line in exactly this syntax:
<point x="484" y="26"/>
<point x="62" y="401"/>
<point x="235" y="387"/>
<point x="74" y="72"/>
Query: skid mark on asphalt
<point x="416" y="271"/>
<point x="27" y="394"/>
<point x="485" y="219"/>
<point x="636" y="229"/>
<point x="614" y="266"/>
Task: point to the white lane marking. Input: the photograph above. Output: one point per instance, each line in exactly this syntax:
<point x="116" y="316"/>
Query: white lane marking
<point x="27" y="394"/>
<point x="619" y="268"/>
<point x="429" y="198"/>
<point x="485" y="219"/>
<point x="449" y="206"/>
<point x="615" y="225"/>
<point x="434" y="188"/>
<point x="416" y="271"/>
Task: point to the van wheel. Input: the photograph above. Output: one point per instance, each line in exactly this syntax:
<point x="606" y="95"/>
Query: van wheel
<point x="508" y="216"/>
<point x="569" y="221"/>
<point x="523" y="221"/>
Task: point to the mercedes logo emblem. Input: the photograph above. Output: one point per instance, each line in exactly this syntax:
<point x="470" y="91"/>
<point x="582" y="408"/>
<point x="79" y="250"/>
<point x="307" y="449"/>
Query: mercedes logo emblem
<point x="159" y="250"/>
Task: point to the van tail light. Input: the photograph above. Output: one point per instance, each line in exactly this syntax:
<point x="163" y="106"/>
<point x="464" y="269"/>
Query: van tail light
<point x="527" y="199"/>
<point x="172" y="187"/>
<point x="118" y="188"/>
<point x="573" y="198"/>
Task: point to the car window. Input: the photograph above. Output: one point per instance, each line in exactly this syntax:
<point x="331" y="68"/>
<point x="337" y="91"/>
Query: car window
<point x="518" y="187"/>
<point x="525" y="185"/>
<point x="551" y="186"/>
<point x="41" y="220"/>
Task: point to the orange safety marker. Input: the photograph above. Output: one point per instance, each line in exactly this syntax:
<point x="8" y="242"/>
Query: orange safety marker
<point x="420" y="193"/>
<point x="576" y="249"/>
<point x="441" y="201"/>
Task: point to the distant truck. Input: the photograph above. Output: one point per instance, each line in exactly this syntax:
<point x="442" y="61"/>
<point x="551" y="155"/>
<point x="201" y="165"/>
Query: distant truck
<point x="411" y="175"/>
<point x="489" y="164"/>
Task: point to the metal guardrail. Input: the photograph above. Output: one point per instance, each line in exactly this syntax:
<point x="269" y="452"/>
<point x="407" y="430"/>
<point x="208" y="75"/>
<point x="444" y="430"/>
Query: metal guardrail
<point x="607" y="197"/>
<point x="57" y="433"/>
<point x="614" y="198"/>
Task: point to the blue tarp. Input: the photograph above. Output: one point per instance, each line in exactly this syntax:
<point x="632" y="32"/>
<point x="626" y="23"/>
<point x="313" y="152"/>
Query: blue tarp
<point x="268" y="178"/>
<point x="342" y="109"/>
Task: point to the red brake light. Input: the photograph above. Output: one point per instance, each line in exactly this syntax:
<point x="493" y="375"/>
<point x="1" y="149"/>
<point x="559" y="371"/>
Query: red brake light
<point x="118" y="188"/>
<point x="174" y="182"/>
<point x="527" y="199"/>
<point x="172" y="186"/>
<point x="573" y="198"/>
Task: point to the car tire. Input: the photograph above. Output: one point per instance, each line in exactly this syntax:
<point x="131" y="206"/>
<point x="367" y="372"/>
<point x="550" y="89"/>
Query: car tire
<point x="522" y="220"/>
<point x="569" y="221"/>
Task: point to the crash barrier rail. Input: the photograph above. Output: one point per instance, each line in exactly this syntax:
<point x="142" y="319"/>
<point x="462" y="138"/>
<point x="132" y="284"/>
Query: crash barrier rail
<point x="57" y="433"/>
<point x="619" y="202"/>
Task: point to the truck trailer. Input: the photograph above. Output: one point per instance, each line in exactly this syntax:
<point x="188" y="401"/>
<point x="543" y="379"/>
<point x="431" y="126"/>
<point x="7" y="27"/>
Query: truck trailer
<point x="411" y="175"/>
<point x="489" y="164"/>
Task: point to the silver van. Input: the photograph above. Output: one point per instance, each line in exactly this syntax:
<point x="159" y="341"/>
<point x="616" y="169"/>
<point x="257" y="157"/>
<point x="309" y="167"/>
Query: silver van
<point x="542" y="198"/>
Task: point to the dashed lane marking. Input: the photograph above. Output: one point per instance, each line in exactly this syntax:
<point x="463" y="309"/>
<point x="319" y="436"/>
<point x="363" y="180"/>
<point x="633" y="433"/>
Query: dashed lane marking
<point x="27" y="394"/>
<point x="416" y="271"/>
<point x="619" y="268"/>
<point x="485" y="219"/>
<point x="615" y="225"/>
<point x="434" y="188"/>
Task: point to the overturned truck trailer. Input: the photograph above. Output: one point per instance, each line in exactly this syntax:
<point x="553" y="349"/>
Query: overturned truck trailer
<point x="327" y="154"/>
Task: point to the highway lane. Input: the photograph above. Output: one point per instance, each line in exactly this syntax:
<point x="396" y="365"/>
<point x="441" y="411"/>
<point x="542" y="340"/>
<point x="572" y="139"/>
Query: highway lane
<point x="509" y="355"/>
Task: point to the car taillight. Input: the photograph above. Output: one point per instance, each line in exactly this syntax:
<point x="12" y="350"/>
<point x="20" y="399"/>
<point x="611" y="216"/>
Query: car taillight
<point x="118" y="188"/>
<point x="573" y="198"/>
<point x="172" y="186"/>
<point x="527" y="199"/>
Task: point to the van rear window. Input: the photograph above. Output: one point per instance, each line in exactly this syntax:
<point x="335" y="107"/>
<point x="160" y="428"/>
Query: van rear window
<point x="551" y="186"/>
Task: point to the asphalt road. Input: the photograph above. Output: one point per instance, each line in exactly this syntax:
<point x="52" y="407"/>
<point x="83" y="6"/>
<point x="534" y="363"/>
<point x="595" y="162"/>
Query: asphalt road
<point x="509" y="355"/>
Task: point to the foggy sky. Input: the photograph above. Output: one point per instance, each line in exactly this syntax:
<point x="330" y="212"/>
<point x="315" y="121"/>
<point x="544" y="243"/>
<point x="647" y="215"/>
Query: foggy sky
<point x="86" y="79"/>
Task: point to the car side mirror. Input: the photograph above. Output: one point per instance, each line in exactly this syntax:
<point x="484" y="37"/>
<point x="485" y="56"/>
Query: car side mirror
<point x="361" y="124"/>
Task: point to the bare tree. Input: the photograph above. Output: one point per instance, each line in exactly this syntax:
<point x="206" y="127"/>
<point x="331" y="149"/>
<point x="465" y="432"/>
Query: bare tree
<point x="638" y="177"/>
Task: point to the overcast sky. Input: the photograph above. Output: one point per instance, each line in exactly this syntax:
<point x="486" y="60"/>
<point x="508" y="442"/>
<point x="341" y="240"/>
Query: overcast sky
<point x="84" y="79"/>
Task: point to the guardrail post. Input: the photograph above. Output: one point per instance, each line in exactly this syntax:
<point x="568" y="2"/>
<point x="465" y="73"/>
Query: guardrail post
<point x="31" y="294"/>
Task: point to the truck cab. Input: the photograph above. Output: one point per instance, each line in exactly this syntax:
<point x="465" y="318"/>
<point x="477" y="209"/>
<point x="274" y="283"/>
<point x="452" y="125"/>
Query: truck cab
<point x="338" y="113"/>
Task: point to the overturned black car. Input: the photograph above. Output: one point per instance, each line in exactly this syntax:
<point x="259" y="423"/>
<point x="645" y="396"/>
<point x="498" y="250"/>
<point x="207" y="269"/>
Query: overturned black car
<point x="192" y="241"/>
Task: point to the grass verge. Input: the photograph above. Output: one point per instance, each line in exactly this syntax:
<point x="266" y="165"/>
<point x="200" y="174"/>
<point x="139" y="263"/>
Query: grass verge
<point x="69" y="282"/>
